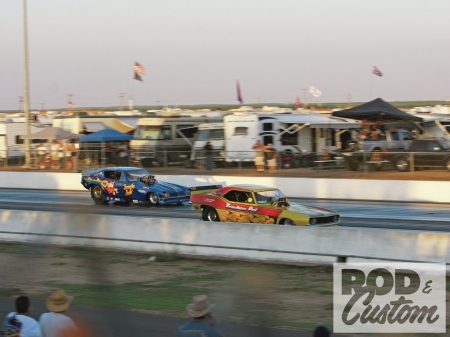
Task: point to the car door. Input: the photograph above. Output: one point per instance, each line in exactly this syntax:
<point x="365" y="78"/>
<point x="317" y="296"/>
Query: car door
<point x="434" y="153"/>
<point x="239" y="207"/>
<point x="113" y="184"/>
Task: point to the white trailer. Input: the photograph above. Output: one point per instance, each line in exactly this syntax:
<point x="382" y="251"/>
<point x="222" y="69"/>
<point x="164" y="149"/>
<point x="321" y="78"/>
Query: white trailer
<point x="297" y="133"/>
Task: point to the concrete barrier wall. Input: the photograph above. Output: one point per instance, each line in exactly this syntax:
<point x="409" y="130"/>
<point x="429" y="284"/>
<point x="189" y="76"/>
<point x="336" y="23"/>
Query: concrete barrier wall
<point x="224" y="240"/>
<point x="347" y="189"/>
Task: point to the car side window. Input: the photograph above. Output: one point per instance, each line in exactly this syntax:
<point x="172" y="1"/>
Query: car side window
<point x="238" y="196"/>
<point x="114" y="175"/>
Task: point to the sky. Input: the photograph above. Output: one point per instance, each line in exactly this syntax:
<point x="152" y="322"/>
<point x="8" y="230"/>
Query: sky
<point x="194" y="51"/>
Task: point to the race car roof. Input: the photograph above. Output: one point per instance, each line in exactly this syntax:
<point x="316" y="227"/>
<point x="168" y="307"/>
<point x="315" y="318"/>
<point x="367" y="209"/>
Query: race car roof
<point x="247" y="187"/>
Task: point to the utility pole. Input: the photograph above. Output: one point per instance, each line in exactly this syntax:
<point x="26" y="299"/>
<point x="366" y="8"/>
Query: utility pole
<point x="121" y="95"/>
<point x="21" y="104"/>
<point x="42" y="106"/>
<point x="349" y="100"/>
<point x="26" y="86"/>
<point x="305" y="98"/>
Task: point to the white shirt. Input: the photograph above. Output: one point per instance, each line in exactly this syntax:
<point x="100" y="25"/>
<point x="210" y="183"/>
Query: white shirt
<point x="54" y="324"/>
<point x="41" y="150"/>
<point x="30" y="327"/>
<point x="123" y="153"/>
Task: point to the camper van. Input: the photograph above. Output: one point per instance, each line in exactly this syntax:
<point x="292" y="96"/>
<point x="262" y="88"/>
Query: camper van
<point x="165" y="140"/>
<point x="297" y="133"/>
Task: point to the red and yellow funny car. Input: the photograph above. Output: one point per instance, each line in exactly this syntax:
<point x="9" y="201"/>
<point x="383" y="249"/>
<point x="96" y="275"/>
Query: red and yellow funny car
<point x="257" y="204"/>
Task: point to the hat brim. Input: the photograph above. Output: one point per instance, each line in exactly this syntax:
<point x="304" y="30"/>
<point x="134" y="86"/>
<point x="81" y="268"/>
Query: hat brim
<point x="195" y="313"/>
<point x="58" y="307"/>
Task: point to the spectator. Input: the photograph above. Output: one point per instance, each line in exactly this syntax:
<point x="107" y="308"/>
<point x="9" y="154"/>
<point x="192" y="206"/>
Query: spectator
<point x="60" y="154"/>
<point x="68" y="155"/>
<point x="208" y="148"/>
<point x="203" y="323"/>
<point x="259" y="158"/>
<point x="123" y="153"/>
<point x="74" y="155"/>
<point x="54" y="147"/>
<point x="271" y="156"/>
<point x="29" y="326"/>
<point x="55" y="323"/>
<point x="321" y="331"/>
<point x="41" y="149"/>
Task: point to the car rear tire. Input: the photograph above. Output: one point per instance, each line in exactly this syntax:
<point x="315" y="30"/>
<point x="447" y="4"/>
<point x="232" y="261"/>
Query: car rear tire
<point x="287" y="222"/>
<point x="401" y="164"/>
<point x="210" y="214"/>
<point x="98" y="196"/>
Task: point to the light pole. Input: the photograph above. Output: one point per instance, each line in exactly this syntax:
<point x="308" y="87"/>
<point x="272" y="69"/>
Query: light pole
<point x="121" y="101"/>
<point x="26" y="86"/>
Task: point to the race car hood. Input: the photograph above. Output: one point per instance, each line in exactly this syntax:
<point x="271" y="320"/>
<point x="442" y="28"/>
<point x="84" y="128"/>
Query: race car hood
<point x="310" y="211"/>
<point x="162" y="186"/>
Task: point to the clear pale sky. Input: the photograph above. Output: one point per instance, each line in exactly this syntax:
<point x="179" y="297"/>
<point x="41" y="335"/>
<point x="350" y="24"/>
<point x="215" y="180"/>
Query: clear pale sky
<point x="195" y="50"/>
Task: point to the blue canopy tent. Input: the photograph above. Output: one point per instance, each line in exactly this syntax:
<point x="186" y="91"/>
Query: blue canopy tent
<point x="103" y="136"/>
<point x="106" y="135"/>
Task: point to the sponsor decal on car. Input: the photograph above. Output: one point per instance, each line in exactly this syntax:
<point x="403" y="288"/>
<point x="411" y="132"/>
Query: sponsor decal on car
<point x="128" y="189"/>
<point x="241" y="208"/>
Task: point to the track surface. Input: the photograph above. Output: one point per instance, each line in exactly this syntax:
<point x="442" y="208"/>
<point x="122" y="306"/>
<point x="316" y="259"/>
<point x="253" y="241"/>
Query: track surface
<point x="382" y="215"/>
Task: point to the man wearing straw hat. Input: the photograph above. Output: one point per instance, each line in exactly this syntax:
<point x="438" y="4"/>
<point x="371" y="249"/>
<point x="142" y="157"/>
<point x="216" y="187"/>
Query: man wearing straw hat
<point x="55" y="323"/>
<point x="202" y="324"/>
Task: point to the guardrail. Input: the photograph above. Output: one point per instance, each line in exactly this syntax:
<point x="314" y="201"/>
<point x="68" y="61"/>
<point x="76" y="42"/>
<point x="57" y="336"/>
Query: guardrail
<point x="307" y="188"/>
<point x="255" y="242"/>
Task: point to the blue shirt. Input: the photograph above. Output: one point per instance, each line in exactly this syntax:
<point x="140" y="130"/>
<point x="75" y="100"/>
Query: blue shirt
<point x="198" y="329"/>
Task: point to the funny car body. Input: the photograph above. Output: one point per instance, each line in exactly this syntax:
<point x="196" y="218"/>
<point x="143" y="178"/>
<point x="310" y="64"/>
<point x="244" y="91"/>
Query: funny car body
<point x="131" y="185"/>
<point x="257" y="204"/>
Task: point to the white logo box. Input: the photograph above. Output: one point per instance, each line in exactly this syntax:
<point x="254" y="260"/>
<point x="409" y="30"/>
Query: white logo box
<point x="412" y="300"/>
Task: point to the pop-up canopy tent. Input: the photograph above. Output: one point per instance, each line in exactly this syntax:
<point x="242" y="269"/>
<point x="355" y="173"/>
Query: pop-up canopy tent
<point x="106" y="135"/>
<point x="103" y="136"/>
<point x="52" y="132"/>
<point x="378" y="110"/>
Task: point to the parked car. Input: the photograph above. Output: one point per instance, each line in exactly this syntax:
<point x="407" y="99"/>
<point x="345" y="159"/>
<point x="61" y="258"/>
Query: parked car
<point x="131" y="185"/>
<point x="433" y="152"/>
<point x="257" y="204"/>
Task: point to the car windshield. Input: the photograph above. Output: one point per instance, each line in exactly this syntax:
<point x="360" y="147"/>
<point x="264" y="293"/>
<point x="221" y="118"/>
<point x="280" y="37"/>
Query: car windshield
<point x="265" y="197"/>
<point x="136" y="174"/>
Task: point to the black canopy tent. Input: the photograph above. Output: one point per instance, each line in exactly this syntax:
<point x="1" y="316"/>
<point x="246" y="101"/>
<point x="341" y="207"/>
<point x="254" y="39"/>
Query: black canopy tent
<point x="377" y="110"/>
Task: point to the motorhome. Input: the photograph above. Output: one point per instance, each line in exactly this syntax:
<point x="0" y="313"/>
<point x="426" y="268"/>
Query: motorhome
<point x="293" y="133"/>
<point x="164" y="140"/>
<point x="12" y="146"/>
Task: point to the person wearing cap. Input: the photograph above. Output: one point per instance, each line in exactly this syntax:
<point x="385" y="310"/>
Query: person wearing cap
<point x="202" y="323"/>
<point x="55" y="323"/>
<point x="321" y="331"/>
<point x="30" y="327"/>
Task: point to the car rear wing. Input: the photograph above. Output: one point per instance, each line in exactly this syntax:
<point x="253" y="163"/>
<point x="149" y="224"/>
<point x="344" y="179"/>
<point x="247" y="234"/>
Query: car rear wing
<point x="204" y="189"/>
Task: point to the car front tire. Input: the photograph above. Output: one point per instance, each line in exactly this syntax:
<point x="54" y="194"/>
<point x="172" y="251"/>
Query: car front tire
<point x="97" y="195"/>
<point x="287" y="222"/>
<point x="152" y="199"/>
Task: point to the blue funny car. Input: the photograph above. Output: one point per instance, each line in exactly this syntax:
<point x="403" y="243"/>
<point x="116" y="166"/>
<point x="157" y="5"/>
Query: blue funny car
<point x="131" y="185"/>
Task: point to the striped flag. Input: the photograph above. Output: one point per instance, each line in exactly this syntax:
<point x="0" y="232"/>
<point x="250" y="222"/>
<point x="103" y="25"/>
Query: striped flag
<point x="377" y="71"/>
<point x="239" y="95"/>
<point x="71" y="105"/>
<point x="139" y="68"/>
<point x="137" y="77"/>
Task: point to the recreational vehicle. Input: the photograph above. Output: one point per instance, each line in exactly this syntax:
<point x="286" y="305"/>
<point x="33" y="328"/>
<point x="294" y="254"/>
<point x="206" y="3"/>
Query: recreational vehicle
<point x="164" y="140"/>
<point x="297" y="133"/>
